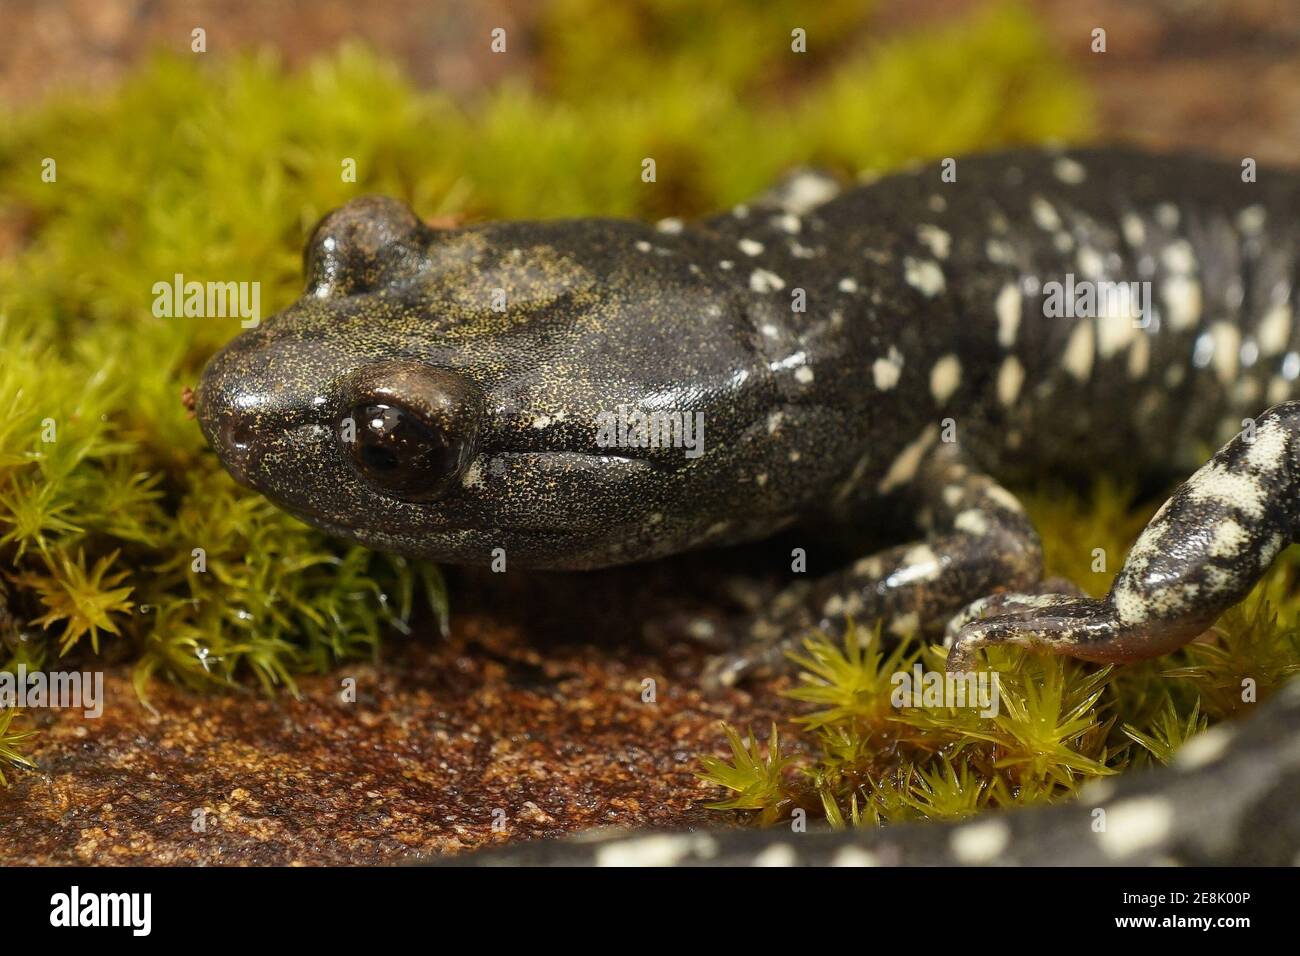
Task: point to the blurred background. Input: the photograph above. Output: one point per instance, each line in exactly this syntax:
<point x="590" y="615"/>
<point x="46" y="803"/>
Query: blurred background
<point x="1210" y="73"/>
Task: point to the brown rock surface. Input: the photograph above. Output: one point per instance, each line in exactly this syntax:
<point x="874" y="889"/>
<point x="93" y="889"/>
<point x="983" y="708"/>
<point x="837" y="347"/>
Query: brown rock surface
<point x="444" y="739"/>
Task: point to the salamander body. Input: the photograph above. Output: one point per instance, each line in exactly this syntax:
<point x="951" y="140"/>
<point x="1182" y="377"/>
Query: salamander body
<point x="582" y="393"/>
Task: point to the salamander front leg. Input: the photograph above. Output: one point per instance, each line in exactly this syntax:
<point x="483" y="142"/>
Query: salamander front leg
<point x="980" y="541"/>
<point x="1202" y="553"/>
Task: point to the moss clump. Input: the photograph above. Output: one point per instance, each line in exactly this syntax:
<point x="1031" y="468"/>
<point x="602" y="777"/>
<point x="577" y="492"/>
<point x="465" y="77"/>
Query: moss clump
<point x="120" y="537"/>
<point x="864" y="761"/>
<point x="11" y="741"/>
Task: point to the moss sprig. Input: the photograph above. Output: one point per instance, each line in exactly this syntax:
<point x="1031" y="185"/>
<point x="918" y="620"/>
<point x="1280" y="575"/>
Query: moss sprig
<point x="857" y="759"/>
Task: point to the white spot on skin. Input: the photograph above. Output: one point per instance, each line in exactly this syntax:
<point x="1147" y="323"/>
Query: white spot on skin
<point x="1183" y="301"/>
<point x="1135" y="825"/>
<point x="1275" y="329"/>
<point x="1009" y="307"/>
<point x="1214" y="482"/>
<point x="778" y="854"/>
<point x="1135" y="232"/>
<point x="980" y="842"/>
<point x="1006" y="499"/>
<point x="920" y="564"/>
<point x="1114" y="331"/>
<point x="1179" y="257"/>
<point x="642" y="245"/>
<point x="1078" y="356"/>
<point x="868" y="568"/>
<point x="1249" y="354"/>
<point x="750" y="247"/>
<point x="701" y="628"/>
<point x="1228" y="540"/>
<point x="952" y="495"/>
<point x="726" y="264"/>
<point x="973" y="522"/>
<point x="853" y="855"/>
<point x="787" y="223"/>
<point x="903" y="468"/>
<point x="1044" y="214"/>
<point x="658" y="850"/>
<point x="1139" y="356"/>
<point x="1068" y="171"/>
<point x="945" y="378"/>
<point x="934" y="238"/>
<point x="1203" y="749"/>
<point x="1010" y="377"/>
<point x="804" y="375"/>
<point x="1227" y="350"/>
<point x="1000" y="251"/>
<point x="1091" y="264"/>
<point x="1251" y="220"/>
<point x="672" y="226"/>
<point x="848" y="285"/>
<point x="1096" y="791"/>
<point x="807" y="191"/>
<point x="886" y="371"/>
<point x="924" y="276"/>
<point x="1268" y="450"/>
<point x="761" y="280"/>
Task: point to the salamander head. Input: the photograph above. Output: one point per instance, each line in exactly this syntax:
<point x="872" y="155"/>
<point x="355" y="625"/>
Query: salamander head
<point x="445" y="394"/>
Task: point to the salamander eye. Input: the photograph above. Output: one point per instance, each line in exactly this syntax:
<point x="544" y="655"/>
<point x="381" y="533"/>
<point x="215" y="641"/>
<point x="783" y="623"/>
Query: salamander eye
<point x="397" y="451"/>
<point x="409" y="429"/>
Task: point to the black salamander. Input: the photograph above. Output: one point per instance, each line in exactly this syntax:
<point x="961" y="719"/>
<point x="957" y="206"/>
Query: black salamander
<point x="591" y="392"/>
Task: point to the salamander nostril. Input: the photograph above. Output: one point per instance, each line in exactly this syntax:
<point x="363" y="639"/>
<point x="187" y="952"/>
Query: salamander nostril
<point x="235" y="448"/>
<point x="237" y="435"/>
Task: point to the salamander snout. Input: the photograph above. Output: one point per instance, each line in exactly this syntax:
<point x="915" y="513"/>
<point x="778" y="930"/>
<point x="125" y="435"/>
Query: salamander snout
<point x="233" y="412"/>
<point x="404" y="430"/>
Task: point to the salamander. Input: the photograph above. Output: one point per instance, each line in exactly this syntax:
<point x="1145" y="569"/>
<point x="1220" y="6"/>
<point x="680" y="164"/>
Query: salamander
<point x="581" y="393"/>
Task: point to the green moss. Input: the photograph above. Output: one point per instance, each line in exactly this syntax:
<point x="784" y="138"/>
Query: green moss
<point x="218" y="169"/>
<point x="856" y="758"/>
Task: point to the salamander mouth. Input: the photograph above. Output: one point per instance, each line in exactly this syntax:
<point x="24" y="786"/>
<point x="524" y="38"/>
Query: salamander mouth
<point x="498" y="494"/>
<point x="359" y="531"/>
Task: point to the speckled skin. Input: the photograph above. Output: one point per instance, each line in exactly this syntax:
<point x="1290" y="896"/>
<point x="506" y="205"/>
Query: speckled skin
<point x="922" y="331"/>
<point x="851" y="354"/>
